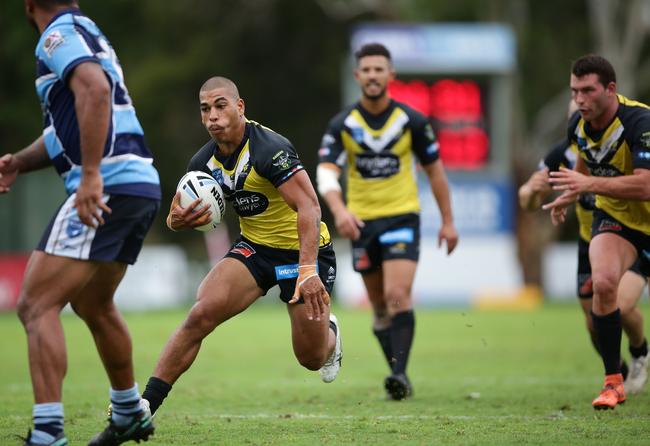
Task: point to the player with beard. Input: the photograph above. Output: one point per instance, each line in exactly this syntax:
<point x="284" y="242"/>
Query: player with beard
<point x="378" y="141"/>
<point x="612" y="135"/>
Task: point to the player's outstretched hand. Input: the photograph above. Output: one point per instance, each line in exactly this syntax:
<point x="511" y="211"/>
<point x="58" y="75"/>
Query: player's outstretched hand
<point x="89" y="200"/>
<point x="558" y="207"/>
<point x="313" y="292"/>
<point x="449" y="235"/>
<point x="348" y="225"/>
<point x="8" y="172"/>
<point x="189" y="217"/>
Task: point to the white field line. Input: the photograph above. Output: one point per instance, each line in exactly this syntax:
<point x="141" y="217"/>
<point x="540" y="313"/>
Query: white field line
<point x="556" y="416"/>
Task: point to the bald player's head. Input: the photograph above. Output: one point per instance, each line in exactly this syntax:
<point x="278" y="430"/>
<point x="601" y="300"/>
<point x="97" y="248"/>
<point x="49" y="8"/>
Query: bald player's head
<point x="221" y="82"/>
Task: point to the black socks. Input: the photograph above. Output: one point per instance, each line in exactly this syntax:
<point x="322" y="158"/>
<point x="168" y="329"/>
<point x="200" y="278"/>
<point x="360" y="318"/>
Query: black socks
<point x="155" y="393"/>
<point x="609" y="330"/>
<point x="383" y="336"/>
<point x="401" y="338"/>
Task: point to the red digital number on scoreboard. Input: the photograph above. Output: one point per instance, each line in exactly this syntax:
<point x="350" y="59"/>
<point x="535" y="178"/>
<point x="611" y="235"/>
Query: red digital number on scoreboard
<point x="456" y="111"/>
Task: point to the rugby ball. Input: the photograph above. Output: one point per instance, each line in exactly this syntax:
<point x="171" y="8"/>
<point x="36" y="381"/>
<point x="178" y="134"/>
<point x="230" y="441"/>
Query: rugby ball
<point x="197" y="184"/>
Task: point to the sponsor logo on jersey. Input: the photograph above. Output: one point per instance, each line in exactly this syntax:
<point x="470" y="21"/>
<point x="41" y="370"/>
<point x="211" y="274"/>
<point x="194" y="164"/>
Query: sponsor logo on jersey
<point x="609" y="226"/>
<point x="243" y="248"/>
<point x="380" y="165"/>
<point x="281" y="160"/>
<point x="603" y="170"/>
<point x="52" y="42"/>
<point x="248" y="203"/>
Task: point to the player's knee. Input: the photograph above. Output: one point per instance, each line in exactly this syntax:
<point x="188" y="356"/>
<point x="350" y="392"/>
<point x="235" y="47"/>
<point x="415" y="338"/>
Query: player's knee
<point x="28" y="310"/>
<point x="200" y="322"/>
<point x="398" y="298"/>
<point x="605" y="287"/>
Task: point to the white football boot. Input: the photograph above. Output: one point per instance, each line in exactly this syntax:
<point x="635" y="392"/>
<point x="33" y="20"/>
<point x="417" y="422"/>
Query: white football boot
<point x="638" y="374"/>
<point x="333" y="364"/>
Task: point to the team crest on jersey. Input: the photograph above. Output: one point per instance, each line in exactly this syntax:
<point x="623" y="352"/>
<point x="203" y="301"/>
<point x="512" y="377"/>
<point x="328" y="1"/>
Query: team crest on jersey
<point x="218" y="176"/>
<point x="645" y="140"/>
<point x="281" y="160"/>
<point x="357" y="134"/>
<point x="52" y="42"/>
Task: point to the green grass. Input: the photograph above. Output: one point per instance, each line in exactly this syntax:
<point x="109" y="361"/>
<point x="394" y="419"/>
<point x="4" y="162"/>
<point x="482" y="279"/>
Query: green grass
<point x="498" y="377"/>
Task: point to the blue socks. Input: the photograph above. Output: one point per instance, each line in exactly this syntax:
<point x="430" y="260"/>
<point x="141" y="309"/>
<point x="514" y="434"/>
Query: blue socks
<point x="126" y="405"/>
<point x="48" y="422"/>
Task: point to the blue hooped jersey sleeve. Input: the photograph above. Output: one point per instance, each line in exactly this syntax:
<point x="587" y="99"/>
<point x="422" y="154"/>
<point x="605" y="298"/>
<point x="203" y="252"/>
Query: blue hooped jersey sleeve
<point x="62" y="47"/>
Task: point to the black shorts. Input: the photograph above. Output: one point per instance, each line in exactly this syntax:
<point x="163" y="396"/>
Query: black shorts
<point x="585" y="286"/>
<point x="386" y="239"/>
<point x="119" y="239"/>
<point x="602" y="223"/>
<point x="274" y="266"/>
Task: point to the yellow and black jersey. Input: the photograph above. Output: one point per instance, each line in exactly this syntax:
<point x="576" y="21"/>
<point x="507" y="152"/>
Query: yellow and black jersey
<point x="378" y="152"/>
<point x="565" y="154"/>
<point x="614" y="151"/>
<point x="250" y="177"/>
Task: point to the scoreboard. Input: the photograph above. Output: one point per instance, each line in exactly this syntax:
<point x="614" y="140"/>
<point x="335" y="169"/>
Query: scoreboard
<point x="456" y="108"/>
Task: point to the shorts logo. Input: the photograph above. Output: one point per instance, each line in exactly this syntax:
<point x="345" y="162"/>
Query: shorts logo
<point x="286" y="271"/>
<point x="52" y="42"/>
<point x="398" y="248"/>
<point x="609" y="226"/>
<point x="587" y="287"/>
<point x="361" y="259"/>
<point x="331" y="274"/>
<point x="243" y="249"/>
<point x="75" y="228"/>
<point x="404" y="235"/>
<point x="644" y="155"/>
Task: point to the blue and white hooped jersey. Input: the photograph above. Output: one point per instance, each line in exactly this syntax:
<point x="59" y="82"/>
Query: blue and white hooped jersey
<point x="127" y="165"/>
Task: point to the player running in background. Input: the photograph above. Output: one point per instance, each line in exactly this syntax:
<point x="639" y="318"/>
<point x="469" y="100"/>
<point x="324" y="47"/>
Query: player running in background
<point x="531" y="195"/>
<point x="376" y="138"/>
<point x="93" y="139"/>
<point x="612" y="135"/>
<point x="283" y="242"/>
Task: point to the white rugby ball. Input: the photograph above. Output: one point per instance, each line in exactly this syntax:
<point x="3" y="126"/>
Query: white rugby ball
<point x="196" y="184"/>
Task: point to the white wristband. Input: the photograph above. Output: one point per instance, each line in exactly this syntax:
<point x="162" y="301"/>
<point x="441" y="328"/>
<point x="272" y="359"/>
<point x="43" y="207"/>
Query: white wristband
<point x="300" y="284"/>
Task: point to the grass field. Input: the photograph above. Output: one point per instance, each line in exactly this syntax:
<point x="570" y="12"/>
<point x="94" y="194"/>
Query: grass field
<point x="497" y="377"/>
